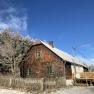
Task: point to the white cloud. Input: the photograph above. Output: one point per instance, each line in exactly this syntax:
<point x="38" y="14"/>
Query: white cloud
<point x="85" y="45"/>
<point x="14" y="18"/>
<point x="3" y="26"/>
<point x="17" y="23"/>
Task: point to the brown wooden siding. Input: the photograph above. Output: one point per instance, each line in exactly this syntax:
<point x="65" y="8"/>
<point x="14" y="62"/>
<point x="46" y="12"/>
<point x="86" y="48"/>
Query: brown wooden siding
<point x="39" y="66"/>
<point x="68" y="70"/>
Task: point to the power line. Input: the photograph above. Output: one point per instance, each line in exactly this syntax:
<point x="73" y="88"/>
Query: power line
<point x="76" y="50"/>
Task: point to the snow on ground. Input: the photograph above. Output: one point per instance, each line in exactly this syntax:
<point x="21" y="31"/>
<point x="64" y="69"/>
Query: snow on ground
<point x="75" y="90"/>
<point x="6" y="91"/>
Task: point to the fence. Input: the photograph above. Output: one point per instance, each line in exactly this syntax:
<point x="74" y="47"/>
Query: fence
<point x="85" y="78"/>
<point x="53" y="83"/>
<point x="33" y="84"/>
<point x="87" y="75"/>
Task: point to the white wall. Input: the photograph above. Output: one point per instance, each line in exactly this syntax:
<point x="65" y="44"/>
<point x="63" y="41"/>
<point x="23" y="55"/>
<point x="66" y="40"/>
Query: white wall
<point x="79" y="69"/>
<point x="73" y="69"/>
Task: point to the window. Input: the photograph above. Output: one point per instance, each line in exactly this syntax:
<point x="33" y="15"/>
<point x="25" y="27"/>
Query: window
<point x="37" y="54"/>
<point x="50" y="70"/>
<point x="29" y="72"/>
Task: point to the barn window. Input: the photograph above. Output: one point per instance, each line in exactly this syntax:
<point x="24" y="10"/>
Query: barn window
<point x="29" y="72"/>
<point x="37" y="54"/>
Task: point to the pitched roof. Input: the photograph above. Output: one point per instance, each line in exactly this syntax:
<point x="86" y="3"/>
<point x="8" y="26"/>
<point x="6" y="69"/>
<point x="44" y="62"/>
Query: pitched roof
<point x="65" y="56"/>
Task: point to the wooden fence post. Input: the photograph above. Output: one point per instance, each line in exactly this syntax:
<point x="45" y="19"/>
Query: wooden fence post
<point x="42" y="84"/>
<point x="10" y="82"/>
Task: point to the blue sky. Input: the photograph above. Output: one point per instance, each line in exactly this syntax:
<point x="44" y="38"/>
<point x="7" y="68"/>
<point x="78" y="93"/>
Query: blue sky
<point x="69" y="23"/>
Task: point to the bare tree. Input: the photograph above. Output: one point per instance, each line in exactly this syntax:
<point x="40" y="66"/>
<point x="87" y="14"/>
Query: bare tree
<point x="91" y="68"/>
<point x="12" y="48"/>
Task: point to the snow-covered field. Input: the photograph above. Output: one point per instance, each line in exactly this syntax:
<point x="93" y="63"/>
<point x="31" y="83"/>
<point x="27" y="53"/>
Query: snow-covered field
<point x="74" y="90"/>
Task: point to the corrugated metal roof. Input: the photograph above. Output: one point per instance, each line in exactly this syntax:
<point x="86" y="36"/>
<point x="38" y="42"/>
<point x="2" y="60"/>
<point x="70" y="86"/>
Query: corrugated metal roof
<point x="65" y="56"/>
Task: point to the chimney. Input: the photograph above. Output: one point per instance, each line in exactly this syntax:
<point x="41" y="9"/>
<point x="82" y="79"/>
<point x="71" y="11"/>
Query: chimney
<point x="51" y="43"/>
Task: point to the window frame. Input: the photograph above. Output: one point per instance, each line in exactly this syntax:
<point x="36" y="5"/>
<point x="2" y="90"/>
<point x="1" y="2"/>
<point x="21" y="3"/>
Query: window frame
<point x="38" y="54"/>
<point x="50" y="70"/>
<point x="29" y="72"/>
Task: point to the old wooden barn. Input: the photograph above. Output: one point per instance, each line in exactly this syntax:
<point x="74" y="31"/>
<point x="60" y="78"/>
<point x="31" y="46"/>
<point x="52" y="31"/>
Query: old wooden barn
<point x="43" y="60"/>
